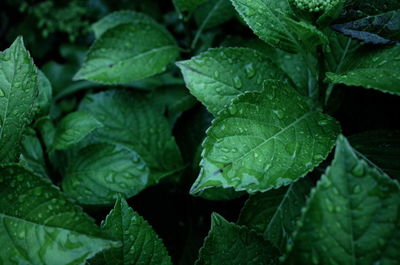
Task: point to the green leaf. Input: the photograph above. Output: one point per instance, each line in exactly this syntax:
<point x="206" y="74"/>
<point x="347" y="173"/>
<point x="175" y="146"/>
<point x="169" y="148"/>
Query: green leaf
<point x="274" y="213"/>
<point x="73" y="128"/>
<point x="39" y="225"/>
<point x="379" y="29"/>
<point x="44" y="97"/>
<point x="264" y="140"/>
<point x="122" y="17"/>
<point x="219" y="75"/>
<point x="32" y="154"/>
<point x="381" y="147"/>
<point x="130" y="119"/>
<point x="270" y="20"/>
<point x="187" y="5"/>
<point x="210" y="14"/>
<point x="231" y="244"/>
<point x="18" y="92"/>
<point x="128" y="52"/>
<point x="141" y="245"/>
<point x="376" y="69"/>
<point x="96" y="174"/>
<point x="351" y="217"/>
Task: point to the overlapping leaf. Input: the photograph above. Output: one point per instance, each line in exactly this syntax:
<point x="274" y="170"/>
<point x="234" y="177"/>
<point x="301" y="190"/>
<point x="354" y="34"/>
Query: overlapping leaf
<point x="218" y="75"/>
<point x="129" y="52"/>
<point x="39" y="225"/>
<point x="351" y="217"/>
<point x="18" y="92"/>
<point x="377" y="69"/>
<point x="231" y="244"/>
<point x="264" y="140"/>
<point x="270" y="20"/>
<point x="99" y="172"/>
<point x="130" y="119"/>
<point x="141" y="245"/>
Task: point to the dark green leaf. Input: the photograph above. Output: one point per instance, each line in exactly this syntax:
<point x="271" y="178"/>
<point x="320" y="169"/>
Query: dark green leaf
<point x="381" y="147"/>
<point x="18" y="92"/>
<point x="39" y="225"/>
<point x="351" y="217"/>
<point x="231" y="244"/>
<point x="130" y="119"/>
<point x="141" y="245"/>
<point x="218" y="75"/>
<point x="97" y="173"/>
<point x="73" y="128"/>
<point x="129" y="52"/>
<point x="45" y="95"/>
<point x="264" y="140"/>
<point x="274" y="213"/>
<point x="377" y="69"/>
<point x="187" y="5"/>
<point x="270" y="20"/>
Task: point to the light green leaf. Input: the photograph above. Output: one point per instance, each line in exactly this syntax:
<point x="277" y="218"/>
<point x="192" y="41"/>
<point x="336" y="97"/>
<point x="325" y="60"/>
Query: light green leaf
<point x="73" y="128"/>
<point x="264" y="140"/>
<point x="378" y="69"/>
<point x="231" y="244"/>
<point x="32" y="154"/>
<point x="187" y="5"/>
<point x="128" y="52"/>
<point x="122" y="17"/>
<point x="219" y="75"/>
<point x="97" y="173"/>
<point x="274" y="213"/>
<point x="18" y="92"/>
<point x="351" y="217"/>
<point x="141" y="245"/>
<point x="381" y="147"/>
<point x="39" y="225"/>
<point x="270" y="20"/>
<point x="129" y="119"/>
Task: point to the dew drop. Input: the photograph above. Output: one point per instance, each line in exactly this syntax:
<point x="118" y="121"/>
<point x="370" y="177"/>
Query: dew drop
<point x="237" y="82"/>
<point x="358" y="170"/>
<point x="323" y="122"/>
<point x="357" y="189"/>
<point x="250" y="71"/>
<point x="2" y="94"/>
<point x="232" y="110"/>
<point x="278" y="113"/>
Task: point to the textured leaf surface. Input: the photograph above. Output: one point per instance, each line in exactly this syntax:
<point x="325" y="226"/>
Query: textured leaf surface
<point x="40" y="226"/>
<point x="130" y="119"/>
<point x="128" y="52"/>
<point x="18" y="92"/>
<point x="231" y="244"/>
<point x="380" y="147"/>
<point x="73" y="128"/>
<point x="377" y="69"/>
<point x="264" y="140"/>
<point x="274" y="213"/>
<point x="99" y="172"/>
<point x="379" y="29"/>
<point x="351" y="217"/>
<point x="141" y="245"/>
<point x="218" y="75"/>
<point x="270" y="20"/>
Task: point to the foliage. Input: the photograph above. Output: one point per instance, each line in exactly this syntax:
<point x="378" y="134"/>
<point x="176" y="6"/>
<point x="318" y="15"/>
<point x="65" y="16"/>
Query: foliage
<point x="220" y="122"/>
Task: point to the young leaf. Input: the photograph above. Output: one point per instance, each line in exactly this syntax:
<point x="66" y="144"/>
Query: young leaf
<point x="129" y="119"/>
<point x="377" y="69"/>
<point x="274" y="213"/>
<point x="39" y="225"/>
<point x="18" y="92"/>
<point x="129" y="52"/>
<point x="351" y="217"/>
<point x="73" y="128"/>
<point x="381" y="147"/>
<point x="270" y="20"/>
<point x="264" y="140"/>
<point x="141" y="245"/>
<point x="218" y="75"/>
<point x="231" y="244"/>
<point x="99" y="172"/>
